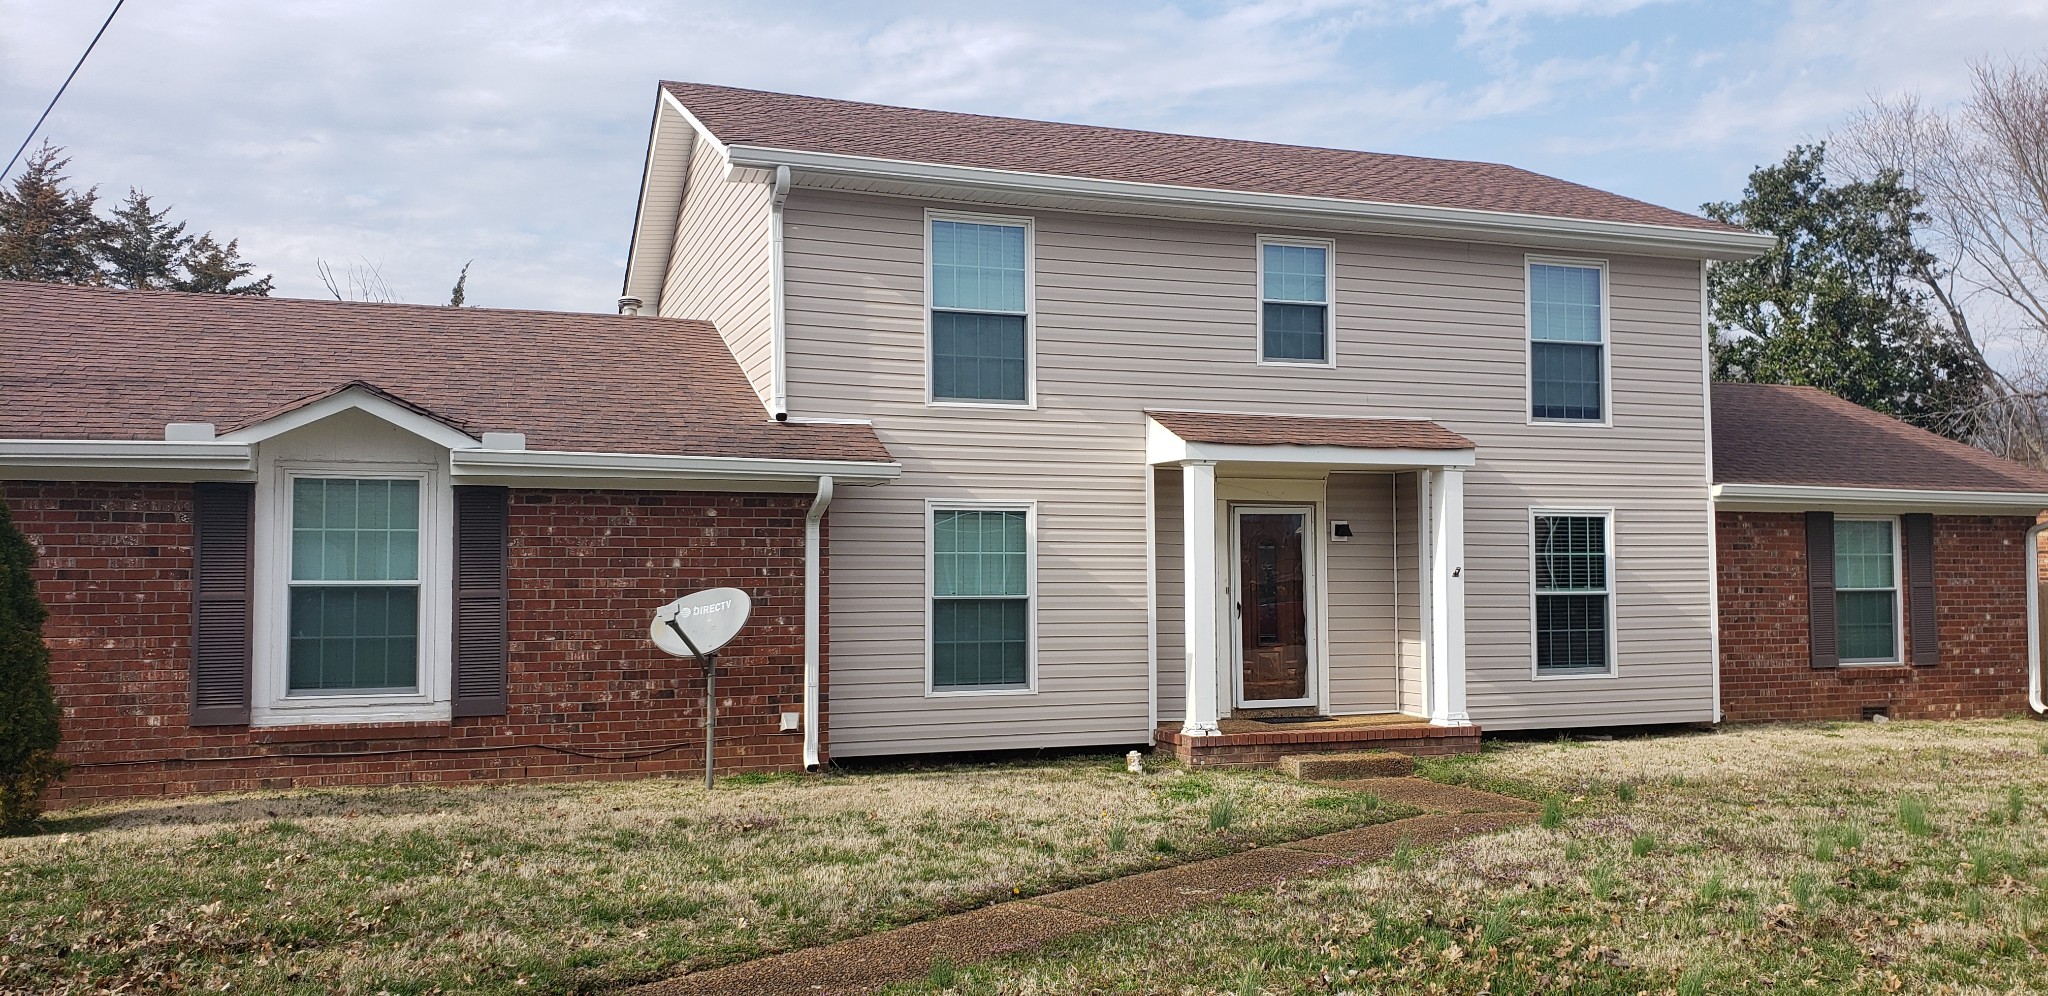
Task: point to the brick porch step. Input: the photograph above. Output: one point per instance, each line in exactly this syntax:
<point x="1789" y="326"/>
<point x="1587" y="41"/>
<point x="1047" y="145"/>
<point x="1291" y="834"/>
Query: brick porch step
<point x="1264" y="745"/>
<point x="1348" y="764"/>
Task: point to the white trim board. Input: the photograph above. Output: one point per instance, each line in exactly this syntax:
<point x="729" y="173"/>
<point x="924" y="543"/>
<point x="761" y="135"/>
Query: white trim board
<point x="1801" y="497"/>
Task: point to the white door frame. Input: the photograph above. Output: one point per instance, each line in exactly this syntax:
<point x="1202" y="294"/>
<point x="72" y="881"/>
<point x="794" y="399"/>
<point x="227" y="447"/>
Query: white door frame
<point x="1311" y="602"/>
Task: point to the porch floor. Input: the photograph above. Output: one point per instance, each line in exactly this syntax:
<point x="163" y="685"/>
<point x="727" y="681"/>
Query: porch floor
<point x="1261" y="743"/>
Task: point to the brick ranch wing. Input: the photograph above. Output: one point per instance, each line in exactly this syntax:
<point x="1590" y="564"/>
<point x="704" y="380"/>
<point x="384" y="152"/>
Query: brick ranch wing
<point x="95" y="363"/>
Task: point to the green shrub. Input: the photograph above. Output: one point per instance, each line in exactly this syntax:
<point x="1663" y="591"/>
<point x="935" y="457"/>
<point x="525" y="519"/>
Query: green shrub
<point x="28" y="705"/>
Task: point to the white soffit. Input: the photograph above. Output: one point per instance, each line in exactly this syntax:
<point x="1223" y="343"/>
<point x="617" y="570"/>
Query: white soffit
<point x="1162" y="446"/>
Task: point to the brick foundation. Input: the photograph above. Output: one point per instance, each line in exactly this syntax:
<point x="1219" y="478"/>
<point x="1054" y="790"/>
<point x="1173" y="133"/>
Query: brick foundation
<point x="1981" y="603"/>
<point x="590" y="696"/>
<point x="1266" y="749"/>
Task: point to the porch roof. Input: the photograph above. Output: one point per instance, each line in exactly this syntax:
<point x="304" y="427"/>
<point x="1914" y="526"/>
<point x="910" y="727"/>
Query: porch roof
<point x="1241" y="437"/>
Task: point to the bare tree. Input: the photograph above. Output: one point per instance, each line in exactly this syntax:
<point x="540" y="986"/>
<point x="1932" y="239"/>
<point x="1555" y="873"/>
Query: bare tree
<point x="1983" y="169"/>
<point x="356" y="283"/>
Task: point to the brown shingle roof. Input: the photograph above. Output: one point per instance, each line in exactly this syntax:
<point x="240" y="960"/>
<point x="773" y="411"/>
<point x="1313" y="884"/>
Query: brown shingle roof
<point x="93" y="363"/>
<point x="817" y="124"/>
<point x="1777" y="434"/>
<point x="1226" y="429"/>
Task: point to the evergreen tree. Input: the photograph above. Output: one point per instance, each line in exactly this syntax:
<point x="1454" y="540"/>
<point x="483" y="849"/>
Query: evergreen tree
<point x="1837" y="304"/>
<point x="212" y="268"/>
<point x="28" y="705"/>
<point x="141" y="248"/>
<point x="48" y="232"/>
<point x="460" y="293"/>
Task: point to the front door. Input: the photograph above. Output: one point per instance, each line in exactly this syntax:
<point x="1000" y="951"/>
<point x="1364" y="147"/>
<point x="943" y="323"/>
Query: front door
<point x="1271" y="591"/>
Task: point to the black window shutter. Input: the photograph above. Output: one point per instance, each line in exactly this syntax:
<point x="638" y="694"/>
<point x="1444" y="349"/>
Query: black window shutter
<point x="1820" y="590"/>
<point x="222" y="562"/>
<point x="482" y="597"/>
<point x="1918" y="534"/>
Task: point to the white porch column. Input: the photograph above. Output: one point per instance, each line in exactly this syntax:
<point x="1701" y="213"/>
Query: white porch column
<point x="1198" y="594"/>
<point x="1447" y="598"/>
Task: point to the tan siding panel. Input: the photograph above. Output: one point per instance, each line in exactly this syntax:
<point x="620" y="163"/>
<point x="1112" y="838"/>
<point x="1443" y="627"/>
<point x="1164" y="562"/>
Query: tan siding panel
<point x="718" y="269"/>
<point x="1361" y="595"/>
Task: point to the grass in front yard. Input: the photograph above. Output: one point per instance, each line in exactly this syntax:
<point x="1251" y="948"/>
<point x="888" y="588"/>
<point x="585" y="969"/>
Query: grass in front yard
<point x="565" y="888"/>
<point x="1904" y="857"/>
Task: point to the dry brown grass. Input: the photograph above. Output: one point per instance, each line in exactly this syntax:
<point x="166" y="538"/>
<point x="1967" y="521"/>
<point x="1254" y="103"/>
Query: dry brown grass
<point x="1785" y="858"/>
<point x="580" y="887"/>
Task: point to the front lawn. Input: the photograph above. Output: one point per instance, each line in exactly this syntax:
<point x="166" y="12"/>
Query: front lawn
<point x="566" y="888"/>
<point x="1905" y="857"/>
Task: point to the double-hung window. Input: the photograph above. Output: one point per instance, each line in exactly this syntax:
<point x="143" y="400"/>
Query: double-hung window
<point x="981" y="592"/>
<point x="1567" y="341"/>
<point x="1866" y="590"/>
<point x="980" y="340"/>
<point x="1574" y="594"/>
<point x="1294" y="301"/>
<point x="354" y="607"/>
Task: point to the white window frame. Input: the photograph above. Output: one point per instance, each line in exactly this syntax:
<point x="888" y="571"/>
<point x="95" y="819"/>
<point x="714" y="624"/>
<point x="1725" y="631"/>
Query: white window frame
<point x="1030" y="401"/>
<point x="932" y="507"/>
<point x="1606" y="343"/>
<point x="1329" y="248"/>
<point x="1897" y="589"/>
<point x="273" y="702"/>
<point x="1536" y="594"/>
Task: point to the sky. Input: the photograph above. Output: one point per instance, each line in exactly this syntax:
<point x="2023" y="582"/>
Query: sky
<point x="416" y="136"/>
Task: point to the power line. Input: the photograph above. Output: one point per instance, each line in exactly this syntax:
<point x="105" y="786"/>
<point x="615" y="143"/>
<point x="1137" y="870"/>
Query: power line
<point x="30" y="137"/>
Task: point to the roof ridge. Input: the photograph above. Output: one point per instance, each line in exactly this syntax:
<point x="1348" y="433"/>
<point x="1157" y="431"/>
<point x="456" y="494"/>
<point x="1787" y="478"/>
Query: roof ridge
<point x="193" y="297"/>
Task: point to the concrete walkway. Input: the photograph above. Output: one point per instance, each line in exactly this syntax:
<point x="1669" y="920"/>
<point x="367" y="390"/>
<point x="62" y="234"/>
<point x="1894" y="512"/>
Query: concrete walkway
<point x="865" y="964"/>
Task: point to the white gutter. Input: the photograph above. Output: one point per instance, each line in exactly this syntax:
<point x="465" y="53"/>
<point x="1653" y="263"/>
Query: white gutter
<point x="1816" y="498"/>
<point x="778" y="364"/>
<point x="1410" y="219"/>
<point x="546" y="464"/>
<point x="812" y="590"/>
<point x="148" y="455"/>
<point x="2033" y="552"/>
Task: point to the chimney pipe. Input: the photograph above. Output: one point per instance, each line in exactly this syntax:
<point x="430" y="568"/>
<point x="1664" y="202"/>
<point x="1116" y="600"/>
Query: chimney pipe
<point x="629" y="305"/>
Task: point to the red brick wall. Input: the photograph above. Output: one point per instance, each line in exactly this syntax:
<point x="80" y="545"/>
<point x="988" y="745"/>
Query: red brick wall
<point x="1980" y="599"/>
<point x="588" y="568"/>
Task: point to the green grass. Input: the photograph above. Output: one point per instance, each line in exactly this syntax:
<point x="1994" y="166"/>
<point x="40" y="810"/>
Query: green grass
<point x="1858" y="858"/>
<point x="586" y="887"/>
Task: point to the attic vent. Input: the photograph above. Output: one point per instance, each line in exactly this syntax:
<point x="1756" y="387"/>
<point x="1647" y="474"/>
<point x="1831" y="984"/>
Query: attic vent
<point x="1871" y="712"/>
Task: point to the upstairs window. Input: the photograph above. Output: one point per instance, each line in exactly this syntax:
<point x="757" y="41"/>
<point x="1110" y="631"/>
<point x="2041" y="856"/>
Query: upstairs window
<point x="1294" y="301"/>
<point x="1866" y="590"/>
<point x="981" y="598"/>
<point x="980" y="343"/>
<point x="354" y="624"/>
<point x="1567" y="342"/>
<point x="1574" y="594"/>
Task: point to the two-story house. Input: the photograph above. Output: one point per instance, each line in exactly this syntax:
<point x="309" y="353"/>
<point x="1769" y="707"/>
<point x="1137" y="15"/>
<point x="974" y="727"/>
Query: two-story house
<point x="1195" y="430"/>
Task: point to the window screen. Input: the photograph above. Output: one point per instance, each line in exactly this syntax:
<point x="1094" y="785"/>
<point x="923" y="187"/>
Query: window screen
<point x="1565" y="361"/>
<point x="1572" y="590"/>
<point x="980" y="599"/>
<point x="979" y="318"/>
<point x="355" y="595"/>
<point x="1294" y="302"/>
<point x="1866" y="590"/>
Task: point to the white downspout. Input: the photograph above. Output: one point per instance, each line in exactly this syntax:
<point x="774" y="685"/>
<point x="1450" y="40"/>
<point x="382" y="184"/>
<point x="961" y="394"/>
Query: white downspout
<point x="2033" y="552"/>
<point x="778" y="372"/>
<point x="812" y="592"/>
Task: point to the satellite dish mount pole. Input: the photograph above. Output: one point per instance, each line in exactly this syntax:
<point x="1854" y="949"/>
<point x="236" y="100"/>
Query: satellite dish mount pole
<point x="710" y="663"/>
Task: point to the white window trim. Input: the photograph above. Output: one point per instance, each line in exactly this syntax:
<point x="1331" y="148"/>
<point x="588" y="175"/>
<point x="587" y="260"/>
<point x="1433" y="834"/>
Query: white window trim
<point x="933" y="506"/>
<point x="1329" y="248"/>
<point x="1898" y="597"/>
<point x="1613" y="574"/>
<point x="272" y="703"/>
<point x="1606" y="343"/>
<point x="1030" y="401"/>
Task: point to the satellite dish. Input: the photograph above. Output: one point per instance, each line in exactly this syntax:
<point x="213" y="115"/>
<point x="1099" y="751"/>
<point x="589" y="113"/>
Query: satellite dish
<point x="700" y="623"/>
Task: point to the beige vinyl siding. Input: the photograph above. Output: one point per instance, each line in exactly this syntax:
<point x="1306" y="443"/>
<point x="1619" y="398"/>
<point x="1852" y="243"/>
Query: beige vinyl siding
<point x="1407" y="577"/>
<point x="1136" y="313"/>
<point x="718" y="270"/>
<point x="661" y="198"/>
<point x="1361" y="595"/>
<point x="1173" y="671"/>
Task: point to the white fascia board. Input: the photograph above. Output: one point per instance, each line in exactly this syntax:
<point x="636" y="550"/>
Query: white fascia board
<point x="355" y="399"/>
<point x="542" y="467"/>
<point x="1424" y="221"/>
<point x="1820" y="499"/>
<point x="1163" y="447"/>
<point x="124" y="459"/>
